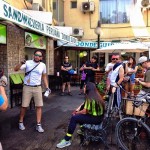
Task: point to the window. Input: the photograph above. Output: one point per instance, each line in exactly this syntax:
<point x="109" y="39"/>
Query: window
<point x="54" y="5"/>
<point x="115" y="11"/>
<point x="73" y="4"/>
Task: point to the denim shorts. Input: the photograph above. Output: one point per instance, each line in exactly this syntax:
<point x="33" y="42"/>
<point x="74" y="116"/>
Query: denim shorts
<point x="132" y="78"/>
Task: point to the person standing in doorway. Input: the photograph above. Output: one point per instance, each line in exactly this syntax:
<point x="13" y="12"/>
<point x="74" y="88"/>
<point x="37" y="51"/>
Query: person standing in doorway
<point x="66" y="77"/>
<point x="35" y="72"/>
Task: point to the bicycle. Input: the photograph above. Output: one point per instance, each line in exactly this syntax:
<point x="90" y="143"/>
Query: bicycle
<point x="133" y="133"/>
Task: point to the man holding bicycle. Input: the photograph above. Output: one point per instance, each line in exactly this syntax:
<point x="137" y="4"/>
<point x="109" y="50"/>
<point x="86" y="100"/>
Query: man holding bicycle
<point x="145" y="63"/>
<point x="116" y="79"/>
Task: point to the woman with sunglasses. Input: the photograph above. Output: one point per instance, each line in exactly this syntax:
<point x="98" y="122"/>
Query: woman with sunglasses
<point x="130" y="70"/>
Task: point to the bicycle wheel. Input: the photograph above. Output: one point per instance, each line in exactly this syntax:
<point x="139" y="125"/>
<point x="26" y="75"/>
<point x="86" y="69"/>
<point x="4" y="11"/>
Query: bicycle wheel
<point x="131" y="135"/>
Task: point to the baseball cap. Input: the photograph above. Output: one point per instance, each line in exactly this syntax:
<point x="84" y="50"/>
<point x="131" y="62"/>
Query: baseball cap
<point x="142" y="59"/>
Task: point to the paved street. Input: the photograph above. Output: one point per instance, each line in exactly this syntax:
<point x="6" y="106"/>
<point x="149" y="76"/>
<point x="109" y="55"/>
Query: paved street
<point x="56" y="114"/>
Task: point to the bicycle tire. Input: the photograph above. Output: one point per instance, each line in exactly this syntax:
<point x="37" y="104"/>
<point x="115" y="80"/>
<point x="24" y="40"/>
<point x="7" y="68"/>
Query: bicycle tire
<point x="128" y="134"/>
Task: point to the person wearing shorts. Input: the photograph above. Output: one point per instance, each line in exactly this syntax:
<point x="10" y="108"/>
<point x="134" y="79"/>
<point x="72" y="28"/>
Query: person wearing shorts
<point x="32" y="87"/>
<point x="65" y="67"/>
<point x="130" y="71"/>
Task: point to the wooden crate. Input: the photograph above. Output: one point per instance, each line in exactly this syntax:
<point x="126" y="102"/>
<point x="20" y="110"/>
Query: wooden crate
<point x="137" y="111"/>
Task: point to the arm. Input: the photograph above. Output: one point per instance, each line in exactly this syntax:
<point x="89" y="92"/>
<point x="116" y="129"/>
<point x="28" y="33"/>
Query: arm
<point x="96" y="69"/>
<point x="44" y="77"/>
<point x="17" y="67"/>
<point x="145" y="84"/>
<point x="133" y="70"/>
<point x="83" y="111"/>
<point x="66" y="69"/>
<point x="3" y="94"/>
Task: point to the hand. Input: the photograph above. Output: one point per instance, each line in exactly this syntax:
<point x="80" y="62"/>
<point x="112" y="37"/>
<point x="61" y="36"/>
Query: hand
<point x="3" y="81"/>
<point x="74" y="112"/>
<point x="113" y="89"/>
<point x="136" y="79"/>
<point x="23" y="62"/>
<point x="48" y="89"/>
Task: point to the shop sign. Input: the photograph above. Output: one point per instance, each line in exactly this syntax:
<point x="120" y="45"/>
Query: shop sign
<point x="12" y="14"/>
<point x="86" y="44"/>
<point x="35" y="41"/>
<point x="2" y="34"/>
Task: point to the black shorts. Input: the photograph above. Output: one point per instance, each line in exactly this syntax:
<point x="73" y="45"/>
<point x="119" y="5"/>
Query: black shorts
<point x="66" y="78"/>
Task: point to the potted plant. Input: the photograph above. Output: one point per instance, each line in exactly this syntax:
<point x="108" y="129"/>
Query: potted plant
<point x="137" y="88"/>
<point x="101" y="86"/>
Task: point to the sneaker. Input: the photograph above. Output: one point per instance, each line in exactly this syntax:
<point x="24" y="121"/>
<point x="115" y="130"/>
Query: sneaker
<point x="69" y="93"/>
<point x="63" y="144"/>
<point x="21" y="126"/>
<point x="39" y="128"/>
<point x="80" y="93"/>
<point x="62" y="94"/>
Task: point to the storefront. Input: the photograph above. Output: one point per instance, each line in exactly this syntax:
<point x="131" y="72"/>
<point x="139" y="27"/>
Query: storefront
<point x="20" y="35"/>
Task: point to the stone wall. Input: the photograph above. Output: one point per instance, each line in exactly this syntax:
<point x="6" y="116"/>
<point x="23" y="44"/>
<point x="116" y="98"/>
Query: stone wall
<point x="15" y="46"/>
<point x="3" y="58"/>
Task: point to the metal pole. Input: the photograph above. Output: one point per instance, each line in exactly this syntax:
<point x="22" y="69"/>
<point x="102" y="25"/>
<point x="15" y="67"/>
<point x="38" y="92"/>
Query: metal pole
<point x="98" y="41"/>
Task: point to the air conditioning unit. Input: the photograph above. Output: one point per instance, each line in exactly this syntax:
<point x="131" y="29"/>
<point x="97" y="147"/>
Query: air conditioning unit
<point x="87" y="7"/>
<point x="77" y="32"/>
<point x="37" y="1"/>
<point x="37" y="7"/>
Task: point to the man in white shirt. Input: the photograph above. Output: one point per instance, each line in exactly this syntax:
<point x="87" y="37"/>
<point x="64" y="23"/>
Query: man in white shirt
<point x="116" y="79"/>
<point x="35" y="70"/>
<point x="109" y="68"/>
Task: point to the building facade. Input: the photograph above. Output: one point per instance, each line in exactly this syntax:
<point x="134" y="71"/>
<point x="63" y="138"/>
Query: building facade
<point x="121" y="20"/>
<point x="21" y="34"/>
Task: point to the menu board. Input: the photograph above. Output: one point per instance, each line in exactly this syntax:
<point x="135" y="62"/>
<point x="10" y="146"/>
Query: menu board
<point x="2" y="34"/>
<point x="35" y="41"/>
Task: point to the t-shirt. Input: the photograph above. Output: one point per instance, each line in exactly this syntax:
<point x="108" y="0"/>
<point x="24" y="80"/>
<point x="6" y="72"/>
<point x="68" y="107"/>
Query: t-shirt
<point x="65" y="65"/>
<point x="115" y="74"/>
<point x="36" y="74"/>
<point x="109" y="65"/>
<point x="88" y="71"/>
<point x="146" y="79"/>
<point x="93" y="108"/>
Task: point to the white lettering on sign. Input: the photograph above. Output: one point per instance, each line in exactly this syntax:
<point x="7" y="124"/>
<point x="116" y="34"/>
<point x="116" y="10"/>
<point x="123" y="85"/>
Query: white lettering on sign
<point x="12" y="14"/>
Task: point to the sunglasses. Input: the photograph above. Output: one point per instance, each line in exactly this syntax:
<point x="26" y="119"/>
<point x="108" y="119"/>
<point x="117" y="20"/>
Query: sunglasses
<point x="38" y="55"/>
<point x="114" y="59"/>
<point x="66" y="58"/>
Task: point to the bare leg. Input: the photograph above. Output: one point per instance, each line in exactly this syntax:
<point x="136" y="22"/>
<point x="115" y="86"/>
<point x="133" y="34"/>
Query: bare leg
<point x="22" y="113"/>
<point x="38" y="114"/>
<point x="1" y="146"/>
<point x="132" y="89"/>
<point x="126" y="89"/>
<point x="68" y="83"/>
<point x="63" y="87"/>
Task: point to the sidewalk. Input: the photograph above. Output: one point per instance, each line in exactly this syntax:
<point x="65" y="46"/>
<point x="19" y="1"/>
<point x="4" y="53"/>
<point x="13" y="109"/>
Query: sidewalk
<point x="56" y="113"/>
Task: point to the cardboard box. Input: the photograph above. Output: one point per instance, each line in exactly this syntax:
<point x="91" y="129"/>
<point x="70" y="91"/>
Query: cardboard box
<point x="137" y="111"/>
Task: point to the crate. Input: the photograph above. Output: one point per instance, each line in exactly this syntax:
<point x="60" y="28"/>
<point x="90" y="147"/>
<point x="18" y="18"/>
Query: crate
<point x="137" y="111"/>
